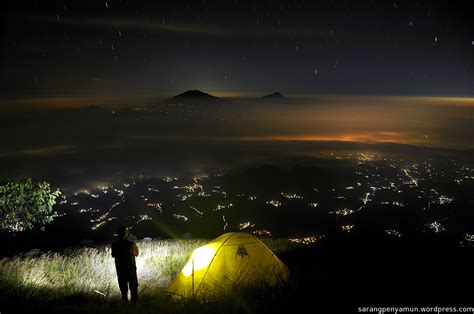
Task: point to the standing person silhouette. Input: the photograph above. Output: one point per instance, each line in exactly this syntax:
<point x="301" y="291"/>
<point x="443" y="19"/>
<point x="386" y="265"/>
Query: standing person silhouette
<point x="124" y="252"/>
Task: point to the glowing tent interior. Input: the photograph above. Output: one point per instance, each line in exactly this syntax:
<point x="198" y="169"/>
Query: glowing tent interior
<point x="234" y="259"/>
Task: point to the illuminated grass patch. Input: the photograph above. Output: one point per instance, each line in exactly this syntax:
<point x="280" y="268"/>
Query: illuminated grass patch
<point x="84" y="280"/>
<point x="92" y="270"/>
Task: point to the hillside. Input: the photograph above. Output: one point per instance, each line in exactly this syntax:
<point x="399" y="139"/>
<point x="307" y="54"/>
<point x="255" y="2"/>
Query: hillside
<point x="356" y="270"/>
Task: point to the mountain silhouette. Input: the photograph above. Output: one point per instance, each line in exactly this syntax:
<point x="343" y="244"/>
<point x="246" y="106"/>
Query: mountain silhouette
<point x="274" y="95"/>
<point x="195" y="94"/>
<point x="273" y="98"/>
<point x="194" y="97"/>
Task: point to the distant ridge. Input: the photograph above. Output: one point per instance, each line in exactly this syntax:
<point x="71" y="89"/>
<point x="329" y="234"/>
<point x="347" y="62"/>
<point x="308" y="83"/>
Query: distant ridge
<point x="274" y="95"/>
<point x="273" y="98"/>
<point x="194" y="94"/>
<point x="194" y="97"/>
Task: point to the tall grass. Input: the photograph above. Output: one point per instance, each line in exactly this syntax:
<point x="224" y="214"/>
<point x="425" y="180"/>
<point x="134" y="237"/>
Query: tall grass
<point x="92" y="270"/>
<point x="83" y="279"/>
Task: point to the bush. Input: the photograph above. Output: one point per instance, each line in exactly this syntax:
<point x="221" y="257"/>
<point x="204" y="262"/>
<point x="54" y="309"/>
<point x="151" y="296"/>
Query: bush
<point x="24" y="204"/>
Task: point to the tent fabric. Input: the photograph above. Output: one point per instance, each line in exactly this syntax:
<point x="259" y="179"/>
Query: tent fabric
<point x="232" y="260"/>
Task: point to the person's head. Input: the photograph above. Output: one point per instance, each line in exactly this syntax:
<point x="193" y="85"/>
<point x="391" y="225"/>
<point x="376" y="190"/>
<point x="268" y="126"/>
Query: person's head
<point x="122" y="232"/>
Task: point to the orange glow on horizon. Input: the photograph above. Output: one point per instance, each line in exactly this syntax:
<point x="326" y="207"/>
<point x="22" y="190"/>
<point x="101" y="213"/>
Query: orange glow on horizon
<point x="77" y="101"/>
<point x="381" y="137"/>
<point x="349" y="137"/>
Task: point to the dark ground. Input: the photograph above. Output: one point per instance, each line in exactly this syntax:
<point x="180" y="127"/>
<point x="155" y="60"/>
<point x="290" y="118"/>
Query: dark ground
<point x="339" y="275"/>
<point x="347" y="272"/>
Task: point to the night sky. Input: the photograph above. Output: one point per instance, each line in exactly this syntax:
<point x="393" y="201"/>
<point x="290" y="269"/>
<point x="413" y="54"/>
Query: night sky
<point x="238" y="47"/>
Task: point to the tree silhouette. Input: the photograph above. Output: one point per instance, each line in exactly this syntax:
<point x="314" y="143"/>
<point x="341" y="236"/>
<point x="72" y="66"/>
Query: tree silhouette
<point x="24" y="204"/>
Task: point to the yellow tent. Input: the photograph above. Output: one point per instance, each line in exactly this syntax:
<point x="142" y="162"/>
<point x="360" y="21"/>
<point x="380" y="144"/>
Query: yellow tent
<point x="233" y="259"/>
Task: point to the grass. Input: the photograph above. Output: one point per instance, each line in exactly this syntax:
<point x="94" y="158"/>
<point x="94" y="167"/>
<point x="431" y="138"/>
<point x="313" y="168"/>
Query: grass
<point x="337" y="275"/>
<point x="84" y="280"/>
